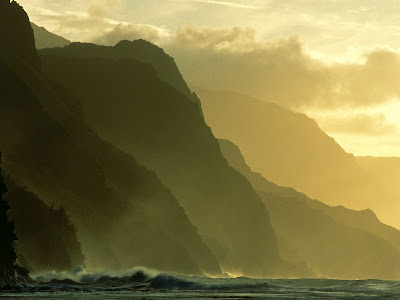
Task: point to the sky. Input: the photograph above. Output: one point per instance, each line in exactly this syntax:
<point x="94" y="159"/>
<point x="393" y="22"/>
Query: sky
<point x="338" y="61"/>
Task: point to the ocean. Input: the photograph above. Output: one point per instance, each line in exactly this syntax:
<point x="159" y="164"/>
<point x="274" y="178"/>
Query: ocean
<point x="141" y="284"/>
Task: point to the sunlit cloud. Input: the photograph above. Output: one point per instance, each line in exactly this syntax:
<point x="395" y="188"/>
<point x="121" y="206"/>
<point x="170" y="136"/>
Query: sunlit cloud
<point x="222" y="3"/>
<point x="358" y="123"/>
<point x="131" y="32"/>
<point x="310" y="57"/>
<point x="365" y="130"/>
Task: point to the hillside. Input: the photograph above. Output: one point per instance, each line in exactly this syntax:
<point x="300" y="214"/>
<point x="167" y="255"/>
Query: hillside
<point x="290" y="149"/>
<point x="47" y="240"/>
<point x="139" y="50"/>
<point x="334" y="242"/>
<point x="124" y="215"/>
<point x="8" y="255"/>
<point x="127" y="104"/>
<point x="46" y="39"/>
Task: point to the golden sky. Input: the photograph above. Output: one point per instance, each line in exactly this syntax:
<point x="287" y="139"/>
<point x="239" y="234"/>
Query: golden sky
<point x="336" y="60"/>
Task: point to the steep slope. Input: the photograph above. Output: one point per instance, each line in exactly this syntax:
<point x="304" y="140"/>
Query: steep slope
<point x="16" y="34"/>
<point x="8" y="255"/>
<point x="46" y="238"/>
<point x="124" y="215"/>
<point x="46" y="39"/>
<point x="291" y="150"/>
<point x="140" y="50"/>
<point x="334" y="242"/>
<point x="128" y="105"/>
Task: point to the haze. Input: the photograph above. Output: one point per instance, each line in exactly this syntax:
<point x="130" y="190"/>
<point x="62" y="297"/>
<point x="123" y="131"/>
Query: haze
<point x="199" y="137"/>
<point x="321" y="56"/>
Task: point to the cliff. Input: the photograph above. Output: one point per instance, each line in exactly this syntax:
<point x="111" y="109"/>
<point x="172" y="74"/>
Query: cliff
<point x="128" y="104"/>
<point x="124" y="215"/>
<point x="290" y="149"/>
<point x="334" y="242"/>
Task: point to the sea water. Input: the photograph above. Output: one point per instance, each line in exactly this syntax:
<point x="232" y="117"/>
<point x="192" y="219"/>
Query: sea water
<point x="144" y="284"/>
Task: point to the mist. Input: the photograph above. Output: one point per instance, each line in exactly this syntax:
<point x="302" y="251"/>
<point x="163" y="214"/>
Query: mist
<point x="151" y="159"/>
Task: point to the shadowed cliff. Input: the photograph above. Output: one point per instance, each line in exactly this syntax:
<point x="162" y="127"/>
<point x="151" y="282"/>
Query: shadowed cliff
<point x="140" y="50"/>
<point x="124" y="215"/>
<point x="16" y="34"/>
<point x="128" y="105"/>
<point x="333" y="242"/>
<point x="46" y="238"/>
<point x="291" y="150"/>
<point x="8" y="255"/>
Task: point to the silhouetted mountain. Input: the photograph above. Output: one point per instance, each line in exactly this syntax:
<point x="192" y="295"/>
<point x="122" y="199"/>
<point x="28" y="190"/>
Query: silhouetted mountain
<point x="46" y="39"/>
<point x="128" y="105"/>
<point x="46" y="237"/>
<point x="140" y="50"/>
<point x="333" y="242"/>
<point x="124" y="215"/>
<point x="290" y="149"/>
<point x="16" y="35"/>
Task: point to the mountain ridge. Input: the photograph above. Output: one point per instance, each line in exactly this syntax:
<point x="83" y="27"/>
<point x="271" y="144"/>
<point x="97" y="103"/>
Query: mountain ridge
<point x="334" y="242"/>
<point x="290" y="149"/>
<point x="46" y="39"/>
<point x="165" y="130"/>
<point x="109" y="196"/>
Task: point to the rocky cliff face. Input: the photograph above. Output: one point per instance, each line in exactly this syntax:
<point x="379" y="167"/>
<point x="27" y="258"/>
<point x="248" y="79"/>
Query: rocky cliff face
<point x="16" y="35"/>
<point x="8" y="255"/>
<point x="47" y="240"/>
<point x="140" y="50"/>
<point x="290" y="149"/>
<point x="333" y="242"/>
<point x="125" y="217"/>
<point x="128" y="104"/>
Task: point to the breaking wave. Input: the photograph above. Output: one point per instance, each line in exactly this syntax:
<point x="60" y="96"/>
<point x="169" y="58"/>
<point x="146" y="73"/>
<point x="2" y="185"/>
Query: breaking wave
<point x="143" y="283"/>
<point x="147" y="278"/>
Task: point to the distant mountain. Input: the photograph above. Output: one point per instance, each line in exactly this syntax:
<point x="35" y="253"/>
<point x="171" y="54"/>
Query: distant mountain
<point x="46" y="39"/>
<point x="334" y="242"/>
<point x="146" y="110"/>
<point x="124" y="215"/>
<point x="290" y="149"/>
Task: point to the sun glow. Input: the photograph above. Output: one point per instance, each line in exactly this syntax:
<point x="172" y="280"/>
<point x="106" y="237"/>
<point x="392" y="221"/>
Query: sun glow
<point x="361" y="137"/>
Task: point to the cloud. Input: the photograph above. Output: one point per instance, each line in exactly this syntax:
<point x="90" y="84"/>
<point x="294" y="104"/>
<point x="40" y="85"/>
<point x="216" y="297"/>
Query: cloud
<point x="222" y="3"/>
<point x="374" y="81"/>
<point x="264" y="60"/>
<point x="236" y="60"/>
<point x="104" y="8"/>
<point x="281" y="70"/>
<point x="191" y="36"/>
<point x="131" y="32"/>
<point x="359" y="124"/>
